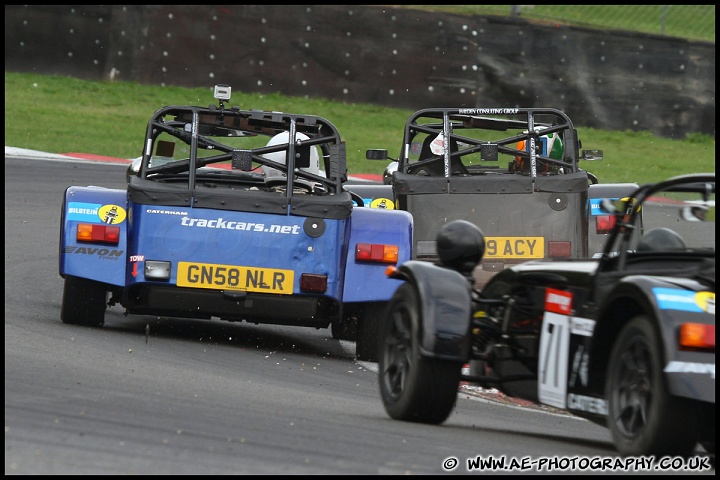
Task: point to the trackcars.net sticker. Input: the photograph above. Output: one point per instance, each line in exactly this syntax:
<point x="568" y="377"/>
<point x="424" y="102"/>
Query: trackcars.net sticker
<point x="221" y="223"/>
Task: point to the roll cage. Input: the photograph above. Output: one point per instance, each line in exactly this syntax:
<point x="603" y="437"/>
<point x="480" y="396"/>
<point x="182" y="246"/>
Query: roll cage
<point x="182" y="140"/>
<point x="479" y="138"/>
<point x="687" y="199"/>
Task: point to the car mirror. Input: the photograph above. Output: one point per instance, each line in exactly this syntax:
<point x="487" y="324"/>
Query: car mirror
<point x="376" y="154"/>
<point x="694" y="213"/>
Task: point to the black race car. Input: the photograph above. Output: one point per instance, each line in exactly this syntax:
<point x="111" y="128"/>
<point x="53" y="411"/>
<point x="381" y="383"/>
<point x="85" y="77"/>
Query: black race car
<point x="625" y="339"/>
<point x="515" y="172"/>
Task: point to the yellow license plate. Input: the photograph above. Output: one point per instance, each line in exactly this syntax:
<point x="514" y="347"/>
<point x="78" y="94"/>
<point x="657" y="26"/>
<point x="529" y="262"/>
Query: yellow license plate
<point x="234" y="277"/>
<point x="514" y="247"/>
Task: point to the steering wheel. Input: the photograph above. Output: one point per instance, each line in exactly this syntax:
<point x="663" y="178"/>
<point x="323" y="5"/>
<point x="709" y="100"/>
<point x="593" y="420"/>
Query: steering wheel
<point x="279" y="183"/>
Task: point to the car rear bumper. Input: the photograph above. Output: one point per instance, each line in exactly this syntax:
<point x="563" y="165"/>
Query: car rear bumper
<point x="162" y="300"/>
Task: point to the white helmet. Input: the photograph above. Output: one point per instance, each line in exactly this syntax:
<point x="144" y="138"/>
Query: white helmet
<point x="279" y="157"/>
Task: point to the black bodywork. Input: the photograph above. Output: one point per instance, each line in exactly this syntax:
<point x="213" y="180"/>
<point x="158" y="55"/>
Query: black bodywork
<point x="626" y="339"/>
<point x="513" y="171"/>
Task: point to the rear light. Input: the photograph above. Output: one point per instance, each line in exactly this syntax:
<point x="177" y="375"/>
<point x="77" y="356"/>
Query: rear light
<point x="559" y="249"/>
<point x="697" y="335"/>
<point x="312" y="282"/>
<point x="98" y="233"/>
<point x="604" y="223"/>
<point x="376" y="252"/>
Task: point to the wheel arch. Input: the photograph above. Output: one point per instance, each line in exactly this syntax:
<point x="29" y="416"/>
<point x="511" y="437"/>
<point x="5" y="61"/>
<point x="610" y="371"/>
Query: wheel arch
<point x="625" y="303"/>
<point x="445" y="309"/>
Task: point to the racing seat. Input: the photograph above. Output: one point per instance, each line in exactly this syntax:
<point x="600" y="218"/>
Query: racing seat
<point x="661" y="239"/>
<point x="436" y="168"/>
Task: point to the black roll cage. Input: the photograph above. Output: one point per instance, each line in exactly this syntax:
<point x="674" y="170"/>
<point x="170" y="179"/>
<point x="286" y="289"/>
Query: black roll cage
<point x="201" y="128"/>
<point x="452" y="119"/>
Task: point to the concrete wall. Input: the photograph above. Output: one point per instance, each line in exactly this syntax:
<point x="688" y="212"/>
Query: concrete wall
<point x="382" y="55"/>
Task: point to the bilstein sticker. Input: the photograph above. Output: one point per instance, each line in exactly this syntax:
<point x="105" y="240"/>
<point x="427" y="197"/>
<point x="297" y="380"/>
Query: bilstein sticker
<point x="685" y="300"/>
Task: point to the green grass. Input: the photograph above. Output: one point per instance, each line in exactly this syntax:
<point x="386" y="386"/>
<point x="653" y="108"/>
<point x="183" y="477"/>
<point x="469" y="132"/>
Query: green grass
<point x="63" y="115"/>
<point x="693" y="22"/>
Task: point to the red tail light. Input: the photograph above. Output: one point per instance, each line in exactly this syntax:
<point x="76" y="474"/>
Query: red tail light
<point x="311" y="282"/>
<point x="98" y="233"/>
<point x="604" y="223"/>
<point x="697" y="335"/>
<point x="559" y="249"/>
<point x="376" y="252"/>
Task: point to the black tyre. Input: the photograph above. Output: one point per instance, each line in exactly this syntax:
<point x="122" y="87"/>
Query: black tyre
<point x="83" y="302"/>
<point x="344" y="329"/>
<point x="413" y="388"/>
<point x="643" y="418"/>
<point x="367" y="343"/>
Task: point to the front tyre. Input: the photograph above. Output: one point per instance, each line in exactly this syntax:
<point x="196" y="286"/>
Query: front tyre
<point x="83" y="302"/>
<point x="413" y="388"/>
<point x="643" y="418"/>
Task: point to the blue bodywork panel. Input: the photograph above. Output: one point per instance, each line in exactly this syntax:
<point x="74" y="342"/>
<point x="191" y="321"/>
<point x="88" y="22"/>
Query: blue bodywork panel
<point x="231" y="239"/>
<point x="96" y="261"/>
<point x="365" y="281"/>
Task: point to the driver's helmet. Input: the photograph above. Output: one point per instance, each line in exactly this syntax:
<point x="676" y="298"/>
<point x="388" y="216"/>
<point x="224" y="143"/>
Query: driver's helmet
<point x="551" y="145"/>
<point x="279" y="157"/>
<point x="388" y="173"/>
<point x="460" y="245"/>
<point x="661" y="239"/>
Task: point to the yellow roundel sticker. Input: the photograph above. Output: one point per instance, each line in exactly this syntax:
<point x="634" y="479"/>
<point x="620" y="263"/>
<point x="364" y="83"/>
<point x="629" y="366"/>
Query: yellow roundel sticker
<point x="112" y="214"/>
<point x="706" y="301"/>
<point x="385" y="203"/>
<point x="631" y="205"/>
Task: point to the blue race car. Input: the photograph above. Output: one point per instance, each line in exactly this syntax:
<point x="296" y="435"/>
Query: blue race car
<point x="237" y="214"/>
